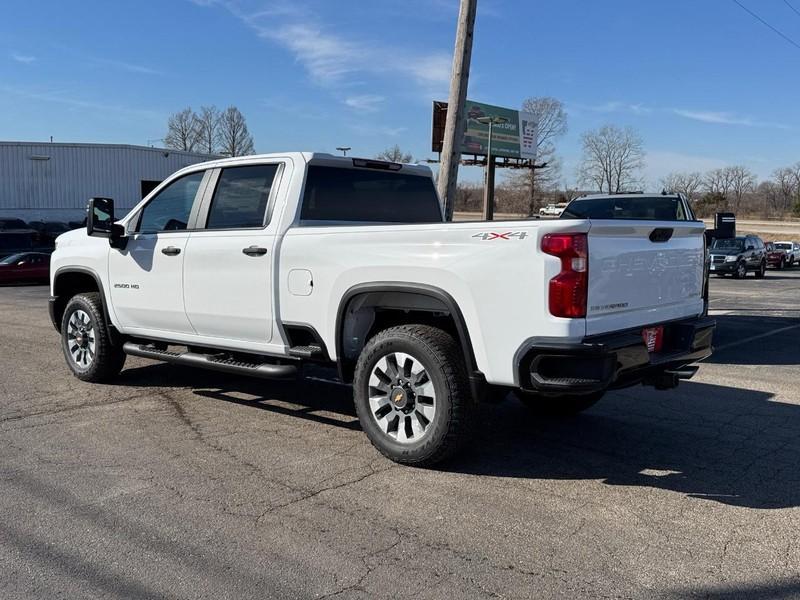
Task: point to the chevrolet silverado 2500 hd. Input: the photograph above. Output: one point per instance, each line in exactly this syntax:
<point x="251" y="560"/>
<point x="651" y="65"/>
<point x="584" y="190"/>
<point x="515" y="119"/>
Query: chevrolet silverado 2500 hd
<point x="259" y="264"/>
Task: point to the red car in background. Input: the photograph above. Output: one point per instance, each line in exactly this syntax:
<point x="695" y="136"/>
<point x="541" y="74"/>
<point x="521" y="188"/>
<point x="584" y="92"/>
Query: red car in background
<point x="775" y="256"/>
<point x="25" y="267"/>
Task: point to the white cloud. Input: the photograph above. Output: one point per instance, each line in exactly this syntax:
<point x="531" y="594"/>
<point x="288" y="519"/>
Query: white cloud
<point x="124" y="66"/>
<point x="433" y="69"/>
<point x="23" y="58"/>
<point x="326" y="57"/>
<point x="365" y="102"/>
<point x="367" y="129"/>
<point x="61" y="97"/>
<point x="613" y="106"/>
<point x="333" y="60"/>
<point x="724" y="118"/>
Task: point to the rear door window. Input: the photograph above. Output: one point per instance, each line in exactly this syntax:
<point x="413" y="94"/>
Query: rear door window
<point x="241" y="197"/>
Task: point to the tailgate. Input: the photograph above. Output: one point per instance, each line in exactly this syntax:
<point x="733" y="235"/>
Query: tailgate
<point x="643" y="272"/>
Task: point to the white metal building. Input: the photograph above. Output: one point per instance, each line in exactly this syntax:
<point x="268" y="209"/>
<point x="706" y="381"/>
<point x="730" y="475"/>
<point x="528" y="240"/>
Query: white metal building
<point x="53" y="181"/>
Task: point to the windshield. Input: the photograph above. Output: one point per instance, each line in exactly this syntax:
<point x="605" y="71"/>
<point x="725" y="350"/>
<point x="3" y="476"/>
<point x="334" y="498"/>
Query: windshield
<point x="783" y="246"/>
<point x="728" y="244"/>
<point x="12" y="259"/>
<point x="651" y="208"/>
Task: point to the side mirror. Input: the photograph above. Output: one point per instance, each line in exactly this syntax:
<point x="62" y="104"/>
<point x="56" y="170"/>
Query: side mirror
<point x="100" y="222"/>
<point x="100" y="217"/>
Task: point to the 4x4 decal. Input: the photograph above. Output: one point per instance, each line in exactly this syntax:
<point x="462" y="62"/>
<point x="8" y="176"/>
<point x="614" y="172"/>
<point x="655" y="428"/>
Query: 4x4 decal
<point x="491" y="235"/>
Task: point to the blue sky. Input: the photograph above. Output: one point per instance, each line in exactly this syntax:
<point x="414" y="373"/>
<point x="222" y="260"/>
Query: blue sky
<point x="703" y="81"/>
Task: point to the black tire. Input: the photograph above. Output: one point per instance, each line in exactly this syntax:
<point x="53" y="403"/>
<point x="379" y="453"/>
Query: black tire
<point x="558" y="406"/>
<point x="106" y="360"/>
<point x="442" y="360"/>
<point x="782" y="264"/>
<point x="762" y="270"/>
<point x="741" y="270"/>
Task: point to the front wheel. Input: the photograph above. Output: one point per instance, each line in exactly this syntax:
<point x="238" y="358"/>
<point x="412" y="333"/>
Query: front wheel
<point x="762" y="270"/>
<point x="782" y="264"/>
<point x="412" y="395"/>
<point x="741" y="270"/>
<point x="85" y="340"/>
<point x="558" y="406"/>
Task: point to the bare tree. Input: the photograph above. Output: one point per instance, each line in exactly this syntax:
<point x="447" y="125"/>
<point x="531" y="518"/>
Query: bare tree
<point x="718" y="181"/>
<point x="787" y="187"/>
<point x="234" y="138"/>
<point x="688" y="184"/>
<point x="182" y="130"/>
<point x="551" y="119"/>
<point x="612" y="159"/>
<point x="208" y="122"/>
<point x="742" y="182"/>
<point x="395" y="154"/>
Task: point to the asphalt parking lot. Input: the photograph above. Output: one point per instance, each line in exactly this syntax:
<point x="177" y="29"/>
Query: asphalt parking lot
<point x="178" y="483"/>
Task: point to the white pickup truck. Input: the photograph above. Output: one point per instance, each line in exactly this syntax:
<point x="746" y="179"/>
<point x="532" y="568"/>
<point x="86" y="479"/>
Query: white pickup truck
<point x="257" y="265"/>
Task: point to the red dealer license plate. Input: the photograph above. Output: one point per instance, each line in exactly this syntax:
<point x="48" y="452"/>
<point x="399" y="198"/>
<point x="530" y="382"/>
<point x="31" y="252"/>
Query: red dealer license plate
<point x="653" y="338"/>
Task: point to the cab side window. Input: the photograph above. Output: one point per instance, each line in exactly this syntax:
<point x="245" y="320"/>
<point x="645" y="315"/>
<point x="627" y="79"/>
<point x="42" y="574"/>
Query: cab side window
<point x="170" y="209"/>
<point x="241" y="197"/>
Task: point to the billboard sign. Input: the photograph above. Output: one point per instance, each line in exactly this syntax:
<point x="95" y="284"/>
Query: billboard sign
<point x="516" y="138"/>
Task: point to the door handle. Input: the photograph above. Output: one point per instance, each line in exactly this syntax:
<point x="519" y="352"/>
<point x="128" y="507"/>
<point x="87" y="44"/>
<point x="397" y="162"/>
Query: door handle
<point x="254" y="251"/>
<point x="171" y="251"/>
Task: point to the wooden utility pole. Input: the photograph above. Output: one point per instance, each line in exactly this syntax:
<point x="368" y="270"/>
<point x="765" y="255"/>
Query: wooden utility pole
<point x="454" y="126"/>
<point x="488" y="187"/>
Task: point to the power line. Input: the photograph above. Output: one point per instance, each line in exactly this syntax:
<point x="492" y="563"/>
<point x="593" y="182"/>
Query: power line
<point x="790" y="6"/>
<point x="779" y="32"/>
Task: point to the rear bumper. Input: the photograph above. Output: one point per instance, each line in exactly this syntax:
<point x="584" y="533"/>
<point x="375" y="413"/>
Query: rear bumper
<point x="614" y="360"/>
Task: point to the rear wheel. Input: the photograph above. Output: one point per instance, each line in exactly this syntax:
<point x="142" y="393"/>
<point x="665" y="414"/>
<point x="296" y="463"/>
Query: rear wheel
<point x="412" y="395"/>
<point x="762" y="270"/>
<point x="558" y="406"/>
<point x="85" y="340"/>
<point x="741" y="270"/>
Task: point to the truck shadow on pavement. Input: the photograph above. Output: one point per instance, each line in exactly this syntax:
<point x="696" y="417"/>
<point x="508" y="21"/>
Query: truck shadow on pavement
<point x="710" y="442"/>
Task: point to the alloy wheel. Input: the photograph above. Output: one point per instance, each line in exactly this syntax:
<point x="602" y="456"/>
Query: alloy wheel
<point x="81" y="339"/>
<point x="402" y="398"/>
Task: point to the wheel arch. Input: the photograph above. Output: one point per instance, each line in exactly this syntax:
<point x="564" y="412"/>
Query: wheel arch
<point x="69" y="281"/>
<point x="363" y="310"/>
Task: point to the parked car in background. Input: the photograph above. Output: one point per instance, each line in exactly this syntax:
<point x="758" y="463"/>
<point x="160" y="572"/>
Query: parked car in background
<point x="736" y="256"/>
<point x="47" y="232"/>
<point x="551" y="210"/>
<point x="26" y="267"/>
<point x="775" y="258"/>
<point x="16" y="237"/>
<point x="790" y="250"/>
<point x="77" y="224"/>
<point x="7" y="224"/>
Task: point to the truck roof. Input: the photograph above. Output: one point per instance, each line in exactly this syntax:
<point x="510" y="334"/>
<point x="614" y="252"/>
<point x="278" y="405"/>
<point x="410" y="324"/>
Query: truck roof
<point x="628" y="195"/>
<point x="319" y="158"/>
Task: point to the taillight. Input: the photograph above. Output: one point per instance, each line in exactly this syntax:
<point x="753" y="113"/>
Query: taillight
<point x="568" y="289"/>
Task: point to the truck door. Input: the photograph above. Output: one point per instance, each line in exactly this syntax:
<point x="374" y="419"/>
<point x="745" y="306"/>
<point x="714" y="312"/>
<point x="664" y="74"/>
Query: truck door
<point x="146" y="277"/>
<point x="229" y="258"/>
